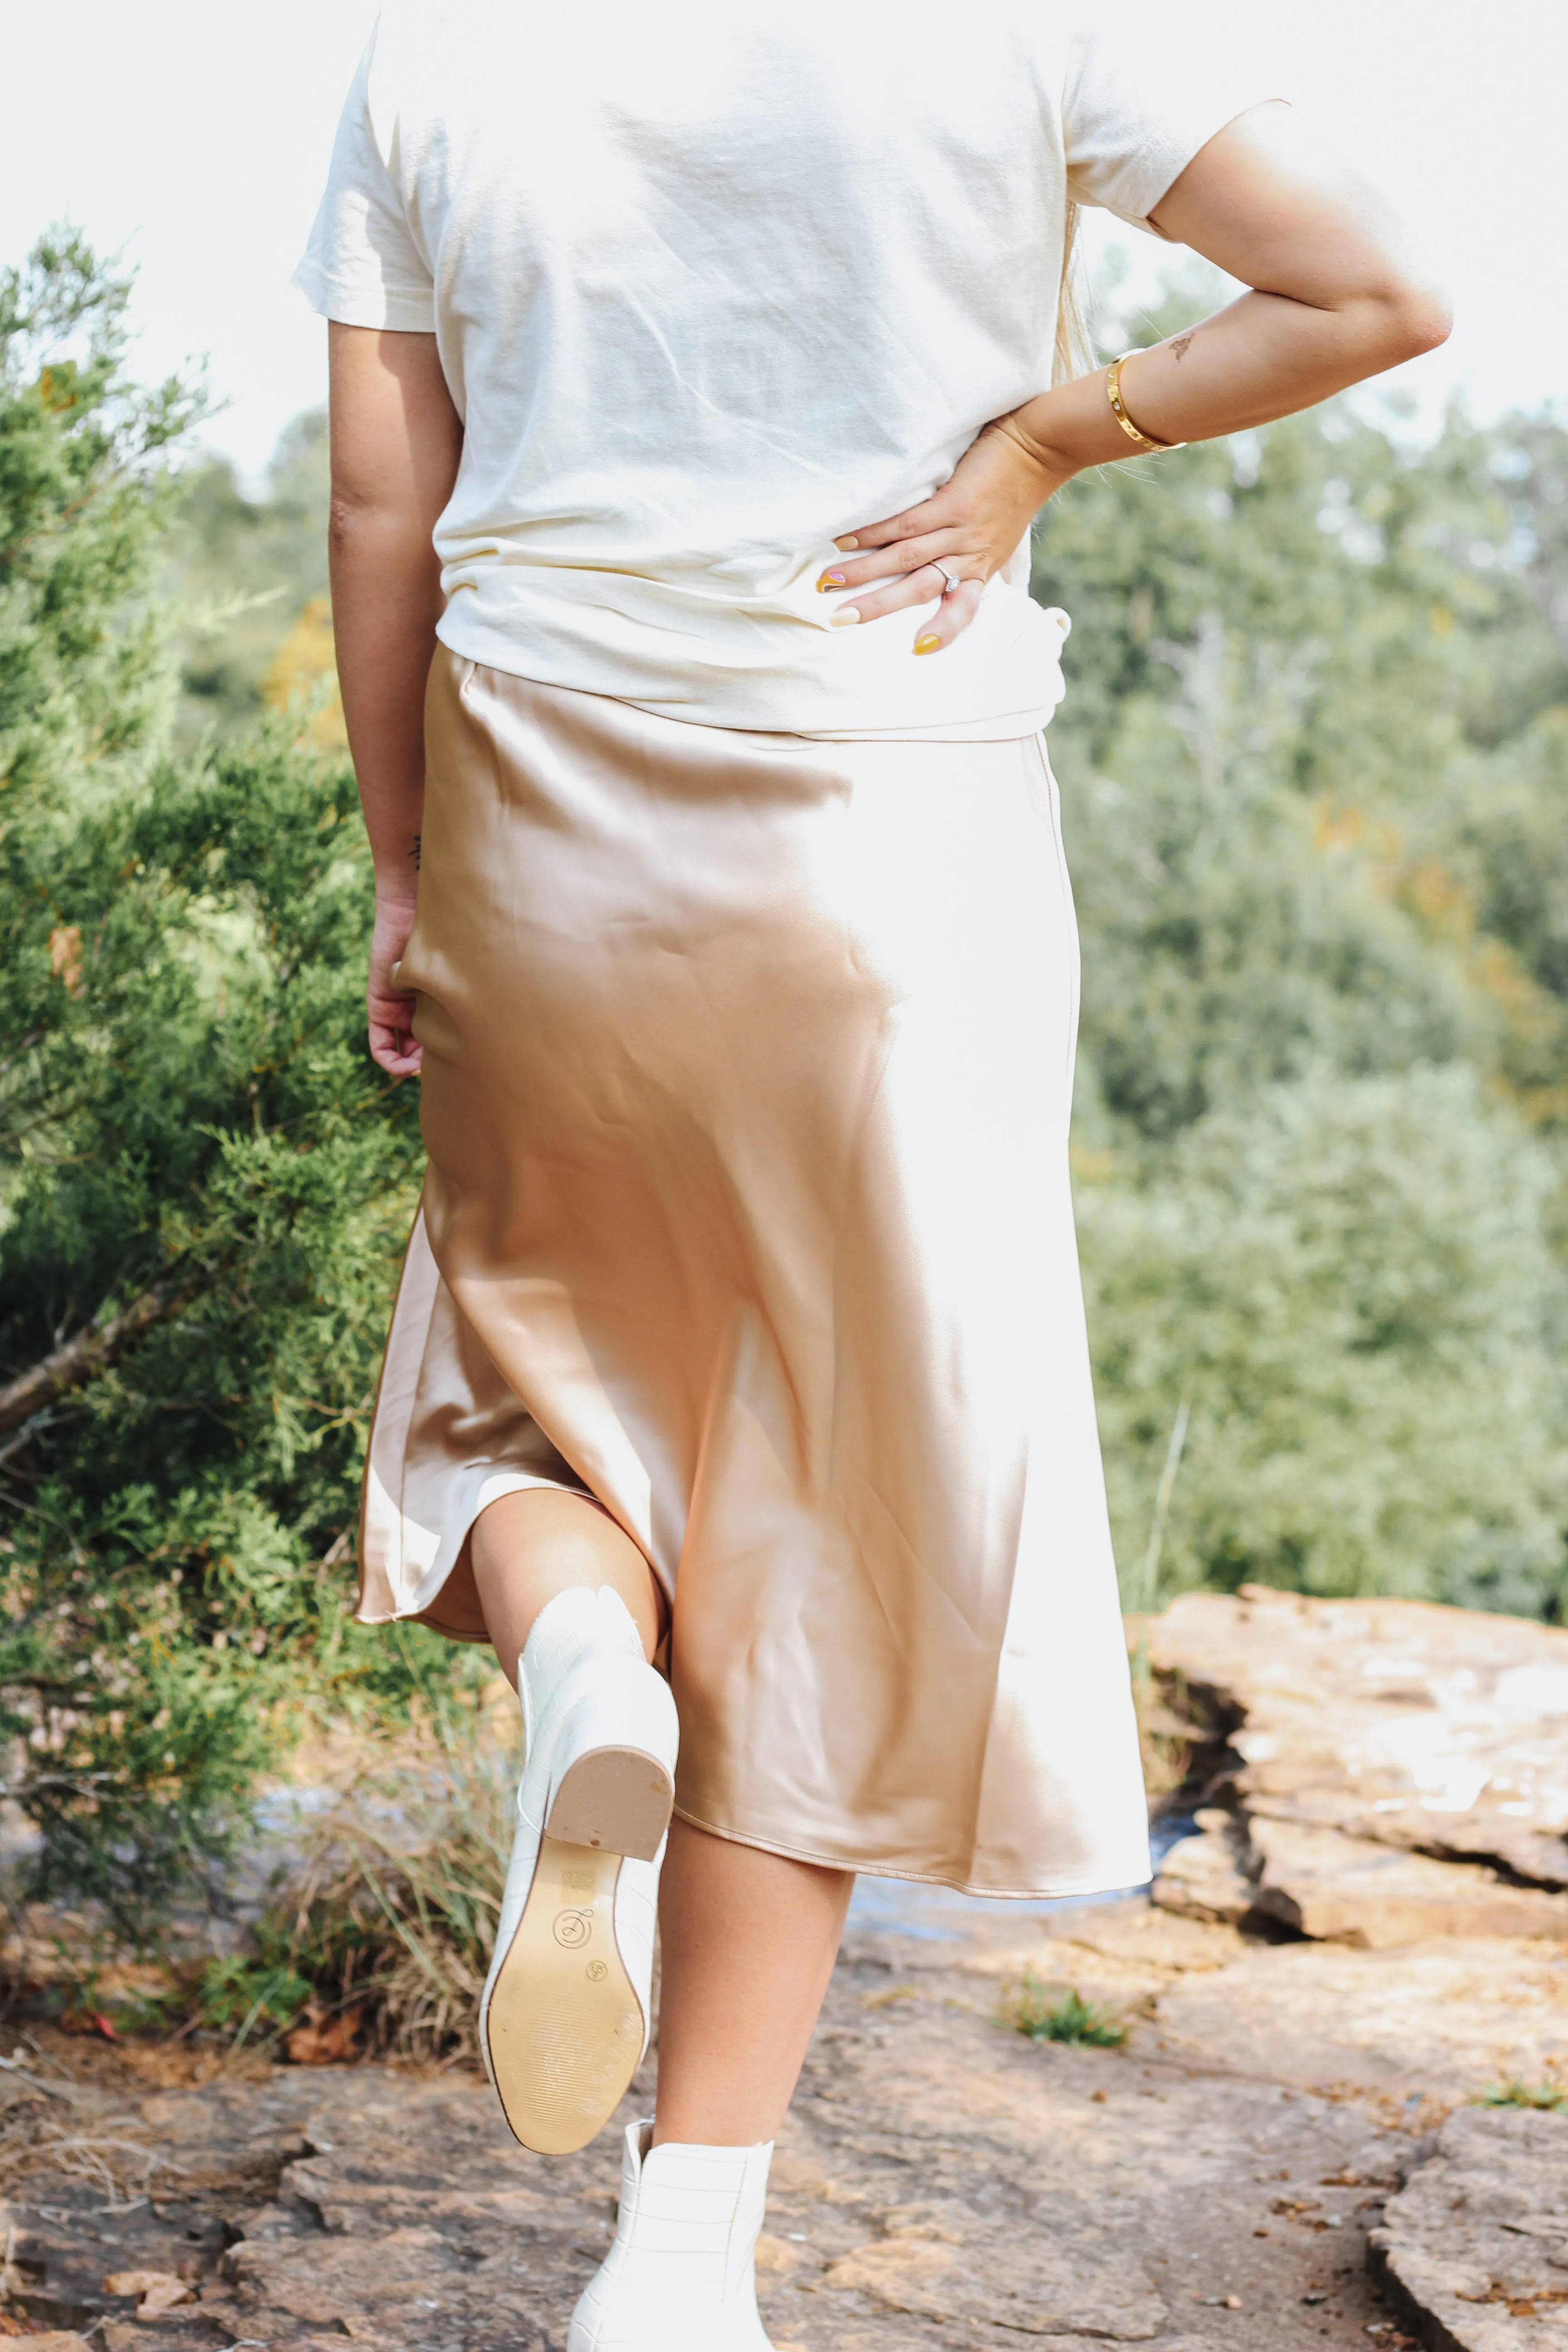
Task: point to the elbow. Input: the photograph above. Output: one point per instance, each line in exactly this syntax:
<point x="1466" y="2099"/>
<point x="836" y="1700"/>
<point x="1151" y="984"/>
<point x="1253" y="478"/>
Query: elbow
<point x="1418" y="318"/>
<point x="345" y="517"/>
<point x="376" y="529"/>
<point x="360" y="528"/>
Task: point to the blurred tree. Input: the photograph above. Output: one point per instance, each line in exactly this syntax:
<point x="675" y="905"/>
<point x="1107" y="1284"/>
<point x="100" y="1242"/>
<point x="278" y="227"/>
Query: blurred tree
<point x="83" y="676"/>
<point x="304" y="671"/>
<point x="1314" y="757"/>
<point x="242" y="574"/>
<point x="1351" y="1282"/>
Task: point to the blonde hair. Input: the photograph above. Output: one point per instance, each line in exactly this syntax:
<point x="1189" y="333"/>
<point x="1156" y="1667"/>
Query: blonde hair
<point x="1075" y="354"/>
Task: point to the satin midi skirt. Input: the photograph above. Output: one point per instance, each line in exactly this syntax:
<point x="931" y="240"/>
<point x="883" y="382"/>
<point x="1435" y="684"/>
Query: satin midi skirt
<point x="747" y="1068"/>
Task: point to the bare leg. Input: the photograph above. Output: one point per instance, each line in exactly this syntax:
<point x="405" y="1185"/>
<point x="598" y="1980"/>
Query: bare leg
<point x="749" y="1941"/>
<point x="526" y="1547"/>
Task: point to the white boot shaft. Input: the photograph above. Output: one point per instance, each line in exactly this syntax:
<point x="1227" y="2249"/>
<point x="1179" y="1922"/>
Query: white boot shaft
<point x="681" y="2276"/>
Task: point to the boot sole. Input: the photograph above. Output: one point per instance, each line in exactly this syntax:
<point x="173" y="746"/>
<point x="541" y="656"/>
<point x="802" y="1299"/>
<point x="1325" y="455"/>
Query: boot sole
<point x="564" y="2025"/>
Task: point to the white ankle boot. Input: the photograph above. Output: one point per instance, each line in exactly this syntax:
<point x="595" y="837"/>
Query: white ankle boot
<point x="564" y="2018"/>
<point x="681" y="2275"/>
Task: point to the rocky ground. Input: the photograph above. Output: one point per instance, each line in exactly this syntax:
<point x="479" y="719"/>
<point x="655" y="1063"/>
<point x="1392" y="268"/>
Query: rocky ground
<point x="1285" y="2152"/>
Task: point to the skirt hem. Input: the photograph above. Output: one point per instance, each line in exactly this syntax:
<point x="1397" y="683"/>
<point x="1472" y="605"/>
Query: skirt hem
<point x="1058" y="1888"/>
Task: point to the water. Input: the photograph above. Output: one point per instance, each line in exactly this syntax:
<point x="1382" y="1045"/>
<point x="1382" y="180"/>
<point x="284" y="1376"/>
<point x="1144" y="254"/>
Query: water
<point x="938" y="1915"/>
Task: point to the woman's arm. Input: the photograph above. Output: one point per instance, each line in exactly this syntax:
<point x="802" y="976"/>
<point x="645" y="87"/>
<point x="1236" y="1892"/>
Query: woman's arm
<point x="1335" y="298"/>
<point x="396" y="440"/>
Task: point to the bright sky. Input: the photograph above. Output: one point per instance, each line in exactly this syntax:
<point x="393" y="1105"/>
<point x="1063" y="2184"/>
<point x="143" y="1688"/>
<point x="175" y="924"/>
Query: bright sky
<point x="195" y="136"/>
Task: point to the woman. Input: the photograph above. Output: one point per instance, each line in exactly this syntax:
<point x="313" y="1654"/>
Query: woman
<point x="691" y="401"/>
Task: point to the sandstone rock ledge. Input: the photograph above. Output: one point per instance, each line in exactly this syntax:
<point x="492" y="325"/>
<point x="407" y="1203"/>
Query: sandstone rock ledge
<point x="1392" y="1770"/>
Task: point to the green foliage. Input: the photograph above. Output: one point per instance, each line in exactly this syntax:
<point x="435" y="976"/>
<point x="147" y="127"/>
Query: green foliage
<point x="192" y="1136"/>
<point x="252" y="1994"/>
<point x="1031" y="2008"/>
<point x="197" y="1117"/>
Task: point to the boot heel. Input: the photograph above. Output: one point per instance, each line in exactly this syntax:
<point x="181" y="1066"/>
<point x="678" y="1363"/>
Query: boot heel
<point x="615" y="1800"/>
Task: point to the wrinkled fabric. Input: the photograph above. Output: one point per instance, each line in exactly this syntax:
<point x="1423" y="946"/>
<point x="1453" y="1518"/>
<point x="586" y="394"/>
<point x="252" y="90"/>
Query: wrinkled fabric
<point x="747" y="1067"/>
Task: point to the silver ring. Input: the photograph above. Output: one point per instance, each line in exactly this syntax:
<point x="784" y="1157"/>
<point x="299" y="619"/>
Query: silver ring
<point x="949" y="579"/>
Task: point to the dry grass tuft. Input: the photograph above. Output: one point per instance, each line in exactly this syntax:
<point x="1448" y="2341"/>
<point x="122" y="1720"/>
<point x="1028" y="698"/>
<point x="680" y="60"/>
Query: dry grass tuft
<point x="378" y="1937"/>
<point x="49" y="2121"/>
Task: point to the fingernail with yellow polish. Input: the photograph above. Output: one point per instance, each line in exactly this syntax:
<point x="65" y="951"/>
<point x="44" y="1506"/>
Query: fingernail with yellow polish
<point x="929" y="644"/>
<point x="831" y="580"/>
<point x="845" y="619"/>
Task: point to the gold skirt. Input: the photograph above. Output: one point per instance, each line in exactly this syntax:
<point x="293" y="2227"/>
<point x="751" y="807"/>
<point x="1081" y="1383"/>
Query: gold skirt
<point x="747" y="1068"/>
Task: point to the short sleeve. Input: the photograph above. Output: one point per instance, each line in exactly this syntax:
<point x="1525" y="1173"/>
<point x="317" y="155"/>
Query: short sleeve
<point x="1146" y="88"/>
<point x="362" y="266"/>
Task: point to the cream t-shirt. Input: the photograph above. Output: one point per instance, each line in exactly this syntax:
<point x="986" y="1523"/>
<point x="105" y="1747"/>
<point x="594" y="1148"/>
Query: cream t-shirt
<point x="714" y="283"/>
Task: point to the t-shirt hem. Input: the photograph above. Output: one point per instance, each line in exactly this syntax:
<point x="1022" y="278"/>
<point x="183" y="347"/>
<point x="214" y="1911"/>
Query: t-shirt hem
<point x="1014" y="695"/>
<point x="776" y="713"/>
<point x="406" y="311"/>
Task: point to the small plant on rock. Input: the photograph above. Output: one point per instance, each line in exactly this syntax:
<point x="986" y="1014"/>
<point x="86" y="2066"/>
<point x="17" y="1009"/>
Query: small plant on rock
<point x="1512" y="2091"/>
<point x="1033" y="2008"/>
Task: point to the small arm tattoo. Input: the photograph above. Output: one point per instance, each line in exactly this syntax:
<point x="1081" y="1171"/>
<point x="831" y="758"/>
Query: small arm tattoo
<point x="414" y="853"/>
<point x="1182" y="345"/>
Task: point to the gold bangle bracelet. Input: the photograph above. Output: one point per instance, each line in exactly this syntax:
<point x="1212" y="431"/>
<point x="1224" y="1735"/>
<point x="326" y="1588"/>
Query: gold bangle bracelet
<point x="1119" y="408"/>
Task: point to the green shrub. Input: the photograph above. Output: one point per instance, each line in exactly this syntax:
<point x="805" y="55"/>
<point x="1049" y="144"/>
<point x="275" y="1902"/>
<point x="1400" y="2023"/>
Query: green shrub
<point x="205" y="1183"/>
